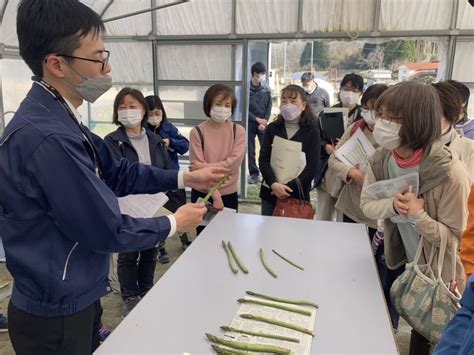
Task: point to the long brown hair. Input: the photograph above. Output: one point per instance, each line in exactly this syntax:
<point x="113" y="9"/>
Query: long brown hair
<point x="307" y="116"/>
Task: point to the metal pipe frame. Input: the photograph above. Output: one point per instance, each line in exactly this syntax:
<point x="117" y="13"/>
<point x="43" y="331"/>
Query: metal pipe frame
<point x="106" y="7"/>
<point x="198" y="82"/>
<point x="144" y="11"/>
<point x="291" y="36"/>
<point x="452" y="41"/>
<point x="4" y="8"/>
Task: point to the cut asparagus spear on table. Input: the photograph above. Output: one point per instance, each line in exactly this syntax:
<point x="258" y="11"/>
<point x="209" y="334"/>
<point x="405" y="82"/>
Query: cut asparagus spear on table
<point x="262" y="348"/>
<point x="237" y="259"/>
<point x="283" y="300"/>
<point x="276" y="305"/>
<point x="259" y="334"/>
<point x="230" y="258"/>
<point x="278" y="322"/>
<point x="265" y="265"/>
<point x="288" y="260"/>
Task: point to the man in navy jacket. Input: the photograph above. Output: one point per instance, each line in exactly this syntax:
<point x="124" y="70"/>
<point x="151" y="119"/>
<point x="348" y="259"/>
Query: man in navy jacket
<point x="59" y="215"/>
<point x="458" y="337"/>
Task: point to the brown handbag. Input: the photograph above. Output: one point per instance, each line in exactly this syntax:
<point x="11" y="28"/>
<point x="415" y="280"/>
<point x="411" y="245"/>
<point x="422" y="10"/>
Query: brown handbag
<point x="294" y="207"/>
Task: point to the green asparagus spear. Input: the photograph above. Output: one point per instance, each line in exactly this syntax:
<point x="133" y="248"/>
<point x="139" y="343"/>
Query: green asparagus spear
<point x="275" y="305"/>
<point x="263" y="348"/>
<point x="279" y="323"/>
<point x="225" y="351"/>
<point x="230" y="259"/>
<point x="237" y="259"/>
<point x="288" y="260"/>
<point x="262" y="258"/>
<point x="283" y="300"/>
<point x="258" y="334"/>
<point x="215" y="188"/>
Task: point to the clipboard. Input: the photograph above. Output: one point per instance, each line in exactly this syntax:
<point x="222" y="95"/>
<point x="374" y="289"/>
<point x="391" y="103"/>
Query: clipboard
<point x="334" y="122"/>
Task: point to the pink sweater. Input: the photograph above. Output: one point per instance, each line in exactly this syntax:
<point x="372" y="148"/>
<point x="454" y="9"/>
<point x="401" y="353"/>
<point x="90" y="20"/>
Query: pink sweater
<point x="220" y="149"/>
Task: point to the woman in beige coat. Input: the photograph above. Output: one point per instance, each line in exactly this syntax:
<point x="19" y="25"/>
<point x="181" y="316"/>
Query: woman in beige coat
<point x="352" y="178"/>
<point x="408" y="130"/>
<point x="451" y="103"/>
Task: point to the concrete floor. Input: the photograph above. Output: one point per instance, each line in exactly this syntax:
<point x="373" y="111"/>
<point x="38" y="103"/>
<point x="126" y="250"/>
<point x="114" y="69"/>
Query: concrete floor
<point x="112" y="303"/>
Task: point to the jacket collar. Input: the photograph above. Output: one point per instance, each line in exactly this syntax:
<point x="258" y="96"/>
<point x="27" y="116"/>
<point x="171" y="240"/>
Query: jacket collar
<point x="43" y="97"/>
<point x="120" y="135"/>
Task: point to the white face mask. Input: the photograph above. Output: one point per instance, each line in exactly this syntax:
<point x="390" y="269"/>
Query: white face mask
<point x="220" y="114"/>
<point x="130" y="118"/>
<point x="348" y="98"/>
<point x="386" y="134"/>
<point x="155" y="120"/>
<point x="309" y="88"/>
<point x="368" y="116"/>
<point x="261" y="78"/>
<point x="290" y="112"/>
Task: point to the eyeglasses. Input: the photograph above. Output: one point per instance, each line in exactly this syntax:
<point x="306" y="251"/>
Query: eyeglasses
<point x="104" y="61"/>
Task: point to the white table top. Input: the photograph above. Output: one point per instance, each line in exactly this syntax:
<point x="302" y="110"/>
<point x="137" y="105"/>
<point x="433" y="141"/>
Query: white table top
<point x="199" y="293"/>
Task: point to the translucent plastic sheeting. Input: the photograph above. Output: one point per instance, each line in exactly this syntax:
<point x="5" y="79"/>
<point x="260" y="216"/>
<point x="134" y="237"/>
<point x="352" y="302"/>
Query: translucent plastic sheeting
<point x="463" y="69"/>
<point x="337" y="15"/>
<point x="131" y="26"/>
<point x="267" y="16"/>
<point x="195" y="17"/>
<point x="465" y="16"/>
<point x="185" y="102"/>
<point x="16" y="82"/>
<point x="401" y="15"/>
<point x="194" y="62"/>
<point x="8" y="25"/>
<point x="131" y="61"/>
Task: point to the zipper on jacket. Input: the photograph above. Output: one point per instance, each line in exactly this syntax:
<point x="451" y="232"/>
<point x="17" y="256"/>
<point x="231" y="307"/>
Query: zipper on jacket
<point x="67" y="260"/>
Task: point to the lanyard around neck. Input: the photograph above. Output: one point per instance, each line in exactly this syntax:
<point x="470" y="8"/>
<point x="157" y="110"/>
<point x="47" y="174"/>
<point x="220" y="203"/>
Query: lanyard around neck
<point x="55" y="93"/>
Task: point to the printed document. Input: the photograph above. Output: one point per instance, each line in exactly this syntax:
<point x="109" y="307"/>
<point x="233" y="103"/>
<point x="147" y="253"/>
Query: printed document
<point x="142" y="206"/>
<point x="389" y="188"/>
<point x="305" y="340"/>
<point x="287" y="159"/>
<point x="356" y="151"/>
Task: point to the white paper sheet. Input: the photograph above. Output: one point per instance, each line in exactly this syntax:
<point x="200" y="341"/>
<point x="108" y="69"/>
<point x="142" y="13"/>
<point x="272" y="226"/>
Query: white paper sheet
<point x="389" y="188"/>
<point x="356" y="151"/>
<point x="142" y="206"/>
<point x="286" y="159"/>
<point x="304" y="347"/>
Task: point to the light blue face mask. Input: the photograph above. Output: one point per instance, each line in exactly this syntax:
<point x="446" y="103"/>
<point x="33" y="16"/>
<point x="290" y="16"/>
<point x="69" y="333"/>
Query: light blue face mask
<point x="91" y="88"/>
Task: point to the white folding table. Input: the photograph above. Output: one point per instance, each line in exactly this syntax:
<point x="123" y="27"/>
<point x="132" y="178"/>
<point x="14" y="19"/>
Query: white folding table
<point x="199" y="293"/>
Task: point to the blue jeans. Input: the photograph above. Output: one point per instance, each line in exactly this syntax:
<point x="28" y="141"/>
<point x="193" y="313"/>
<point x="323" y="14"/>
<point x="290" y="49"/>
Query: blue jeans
<point x="253" y="131"/>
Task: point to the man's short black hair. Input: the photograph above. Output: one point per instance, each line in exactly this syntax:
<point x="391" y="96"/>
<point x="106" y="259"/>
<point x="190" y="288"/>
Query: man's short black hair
<point x="53" y="26"/>
<point x="258" y="68"/>
<point x="355" y="79"/>
<point x="307" y="76"/>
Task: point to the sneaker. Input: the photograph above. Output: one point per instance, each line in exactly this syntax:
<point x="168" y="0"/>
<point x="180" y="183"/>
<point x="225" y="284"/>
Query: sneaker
<point x="164" y="258"/>
<point x="129" y="304"/>
<point x="253" y="180"/>
<point x="3" y="324"/>
<point x="103" y="333"/>
<point x="185" y="242"/>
